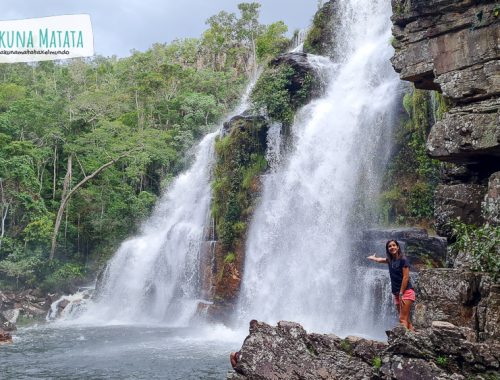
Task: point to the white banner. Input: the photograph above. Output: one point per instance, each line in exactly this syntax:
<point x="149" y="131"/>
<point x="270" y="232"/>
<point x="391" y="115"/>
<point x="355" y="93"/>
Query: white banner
<point x="46" y="38"/>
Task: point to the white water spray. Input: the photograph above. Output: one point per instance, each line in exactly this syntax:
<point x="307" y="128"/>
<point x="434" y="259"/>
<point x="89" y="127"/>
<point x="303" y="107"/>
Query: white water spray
<point x="155" y="277"/>
<point x="300" y="261"/>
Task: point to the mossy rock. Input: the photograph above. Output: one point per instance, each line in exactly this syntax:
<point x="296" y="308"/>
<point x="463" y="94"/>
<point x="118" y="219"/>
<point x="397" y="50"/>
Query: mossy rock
<point x="288" y="83"/>
<point x="320" y="38"/>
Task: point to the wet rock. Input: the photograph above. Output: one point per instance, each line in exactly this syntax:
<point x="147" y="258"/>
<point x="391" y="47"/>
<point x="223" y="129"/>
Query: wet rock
<point x="240" y="121"/>
<point x="460" y="201"/>
<point x="11" y="315"/>
<point x="6" y="324"/>
<point x="27" y="303"/>
<point x="303" y="70"/>
<point x="5" y="337"/>
<point x="491" y="203"/>
<point x="416" y="243"/>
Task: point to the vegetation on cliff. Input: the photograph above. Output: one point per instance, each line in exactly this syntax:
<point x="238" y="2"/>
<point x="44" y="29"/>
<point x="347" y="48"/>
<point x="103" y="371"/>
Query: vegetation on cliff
<point x="480" y="243"/>
<point x="240" y="160"/>
<point x="277" y="93"/>
<point x="119" y="127"/>
<point x="411" y="178"/>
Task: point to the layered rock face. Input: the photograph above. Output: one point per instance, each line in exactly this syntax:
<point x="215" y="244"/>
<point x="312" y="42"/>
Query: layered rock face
<point x="287" y="351"/>
<point x="453" y="47"/>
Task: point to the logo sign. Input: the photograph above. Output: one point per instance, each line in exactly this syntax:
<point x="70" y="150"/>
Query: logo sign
<point x="46" y="38"/>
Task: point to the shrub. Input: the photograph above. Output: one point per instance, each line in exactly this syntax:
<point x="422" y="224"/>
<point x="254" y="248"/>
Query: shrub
<point x="482" y="243"/>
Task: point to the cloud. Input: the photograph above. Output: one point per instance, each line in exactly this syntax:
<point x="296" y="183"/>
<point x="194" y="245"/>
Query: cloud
<point x="120" y="26"/>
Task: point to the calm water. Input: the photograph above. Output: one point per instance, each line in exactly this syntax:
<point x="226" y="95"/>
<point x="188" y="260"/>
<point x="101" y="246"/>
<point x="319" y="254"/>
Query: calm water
<point x="118" y="352"/>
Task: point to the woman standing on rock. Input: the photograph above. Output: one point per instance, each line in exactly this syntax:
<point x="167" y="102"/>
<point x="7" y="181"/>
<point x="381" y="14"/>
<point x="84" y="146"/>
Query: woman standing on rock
<point x="399" y="271"/>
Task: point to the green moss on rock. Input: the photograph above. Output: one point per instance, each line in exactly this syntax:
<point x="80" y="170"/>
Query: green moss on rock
<point x="319" y="39"/>
<point x="287" y="84"/>
<point x="412" y="176"/>
<point x="240" y="160"/>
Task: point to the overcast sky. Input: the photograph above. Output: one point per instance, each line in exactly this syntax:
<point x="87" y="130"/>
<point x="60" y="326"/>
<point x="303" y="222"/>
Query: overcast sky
<point x="122" y="25"/>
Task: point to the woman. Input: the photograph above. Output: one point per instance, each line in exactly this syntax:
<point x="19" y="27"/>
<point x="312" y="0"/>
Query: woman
<point x="399" y="271"/>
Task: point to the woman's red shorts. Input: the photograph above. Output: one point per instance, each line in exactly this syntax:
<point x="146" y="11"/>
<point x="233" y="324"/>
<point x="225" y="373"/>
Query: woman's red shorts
<point x="409" y="294"/>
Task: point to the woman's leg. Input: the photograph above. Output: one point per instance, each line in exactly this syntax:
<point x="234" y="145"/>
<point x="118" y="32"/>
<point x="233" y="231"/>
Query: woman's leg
<point x="404" y="314"/>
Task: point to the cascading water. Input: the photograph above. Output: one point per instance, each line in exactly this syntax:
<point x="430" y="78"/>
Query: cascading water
<point x="301" y="263"/>
<point x="155" y="277"/>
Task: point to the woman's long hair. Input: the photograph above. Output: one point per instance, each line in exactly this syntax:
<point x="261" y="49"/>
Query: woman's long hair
<point x="388" y="254"/>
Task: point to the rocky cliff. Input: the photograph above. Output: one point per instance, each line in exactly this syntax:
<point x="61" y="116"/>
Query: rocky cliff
<point x="453" y="47"/>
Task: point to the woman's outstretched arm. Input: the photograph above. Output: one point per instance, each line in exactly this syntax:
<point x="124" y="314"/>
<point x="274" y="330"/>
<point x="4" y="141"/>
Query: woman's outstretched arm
<point x="381" y="260"/>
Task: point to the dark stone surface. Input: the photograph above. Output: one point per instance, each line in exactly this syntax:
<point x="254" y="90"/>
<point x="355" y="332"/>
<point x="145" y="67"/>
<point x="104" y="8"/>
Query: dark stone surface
<point x="491" y="203"/>
<point x="421" y="249"/>
<point x="287" y="351"/>
<point x="241" y="121"/>
<point x="302" y="69"/>
<point x="5" y="337"/>
<point x="462" y="297"/>
<point x="460" y="201"/>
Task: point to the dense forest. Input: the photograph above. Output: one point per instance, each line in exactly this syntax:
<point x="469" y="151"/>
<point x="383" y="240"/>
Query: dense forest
<point x="86" y="146"/>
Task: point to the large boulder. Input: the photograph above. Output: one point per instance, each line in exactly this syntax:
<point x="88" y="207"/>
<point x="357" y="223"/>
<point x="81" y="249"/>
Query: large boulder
<point x="461" y="297"/>
<point x="441" y="351"/>
<point x="459" y="201"/>
<point x="421" y="248"/>
<point x="288" y="352"/>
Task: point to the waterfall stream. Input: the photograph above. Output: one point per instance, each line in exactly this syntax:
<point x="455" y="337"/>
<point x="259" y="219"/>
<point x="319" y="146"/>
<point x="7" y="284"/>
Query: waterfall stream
<point x="301" y="262"/>
<point x="155" y="277"/>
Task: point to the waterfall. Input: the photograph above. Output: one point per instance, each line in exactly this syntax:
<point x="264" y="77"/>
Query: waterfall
<point x="297" y="45"/>
<point x="157" y="276"/>
<point x="154" y="277"/>
<point x="301" y="261"/>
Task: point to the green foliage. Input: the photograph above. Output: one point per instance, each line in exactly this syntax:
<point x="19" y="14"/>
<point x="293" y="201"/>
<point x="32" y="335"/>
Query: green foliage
<point x="272" y="41"/>
<point x="442" y="361"/>
<point x="229" y="258"/>
<point x="377" y="363"/>
<point x="314" y="35"/>
<point x="481" y="243"/>
<point x="21" y="268"/>
<point x="64" y="277"/>
<point x="346" y="346"/>
<point x="412" y="176"/>
<point x="153" y="106"/>
<point x="240" y="159"/>
<point x="443" y="105"/>
<point x="277" y="95"/>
